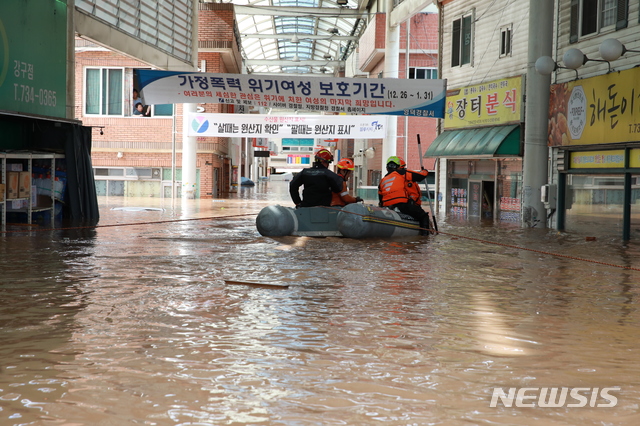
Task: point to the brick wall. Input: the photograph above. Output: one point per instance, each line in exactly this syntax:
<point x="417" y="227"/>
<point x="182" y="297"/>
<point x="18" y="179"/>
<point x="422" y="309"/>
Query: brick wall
<point x="146" y="142"/>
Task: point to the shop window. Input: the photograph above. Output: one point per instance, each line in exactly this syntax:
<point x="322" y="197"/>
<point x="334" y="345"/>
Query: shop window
<point x="594" y="204"/>
<point x="461" y="41"/>
<point x="423" y="73"/>
<point x="590" y="17"/>
<point x="459" y="167"/>
<point x="104" y="91"/>
<point x="458" y="198"/>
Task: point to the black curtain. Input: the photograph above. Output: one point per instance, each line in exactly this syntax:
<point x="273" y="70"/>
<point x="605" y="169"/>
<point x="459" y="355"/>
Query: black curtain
<point x="81" y="199"/>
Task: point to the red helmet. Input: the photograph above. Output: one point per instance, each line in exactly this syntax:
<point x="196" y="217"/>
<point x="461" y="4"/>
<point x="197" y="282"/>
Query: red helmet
<point x="403" y="165"/>
<point x="324" y="155"/>
<point x="346" y="163"/>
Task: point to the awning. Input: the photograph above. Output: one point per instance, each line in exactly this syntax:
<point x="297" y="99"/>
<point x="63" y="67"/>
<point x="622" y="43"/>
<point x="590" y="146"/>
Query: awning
<point x="497" y="141"/>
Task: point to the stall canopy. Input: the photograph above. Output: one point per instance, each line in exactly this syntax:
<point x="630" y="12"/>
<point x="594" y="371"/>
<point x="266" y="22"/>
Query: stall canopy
<point x="498" y="141"/>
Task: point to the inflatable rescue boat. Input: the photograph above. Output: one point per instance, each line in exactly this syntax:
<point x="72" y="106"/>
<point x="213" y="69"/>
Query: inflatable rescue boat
<point x="352" y="221"/>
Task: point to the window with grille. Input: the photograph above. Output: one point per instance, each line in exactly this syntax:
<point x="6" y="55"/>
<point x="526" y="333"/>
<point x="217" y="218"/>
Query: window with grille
<point x="461" y="42"/>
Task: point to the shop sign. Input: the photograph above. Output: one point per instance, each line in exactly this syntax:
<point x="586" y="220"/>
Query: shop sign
<point x="494" y="103"/>
<point x="596" y="110"/>
<point x="598" y="159"/>
<point x="33" y="53"/>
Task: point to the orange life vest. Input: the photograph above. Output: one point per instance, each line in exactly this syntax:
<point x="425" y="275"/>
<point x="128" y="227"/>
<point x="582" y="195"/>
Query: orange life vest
<point x="393" y="189"/>
<point x="342" y="198"/>
<point x="414" y="192"/>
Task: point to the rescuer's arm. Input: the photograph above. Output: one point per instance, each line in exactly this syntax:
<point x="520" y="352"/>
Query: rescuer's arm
<point x="294" y="187"/>
<point x="418" y="176"/>
<point x="346" y="197"/>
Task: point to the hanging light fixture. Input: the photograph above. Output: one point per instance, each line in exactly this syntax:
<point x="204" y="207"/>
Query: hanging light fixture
<point x="611" y="49"/>
<point x="574" y="59"/>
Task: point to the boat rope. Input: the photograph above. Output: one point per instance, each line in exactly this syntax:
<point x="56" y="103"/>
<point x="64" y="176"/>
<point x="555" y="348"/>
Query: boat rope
<point x="32" y="228"/>
<point x="513" y="246"/>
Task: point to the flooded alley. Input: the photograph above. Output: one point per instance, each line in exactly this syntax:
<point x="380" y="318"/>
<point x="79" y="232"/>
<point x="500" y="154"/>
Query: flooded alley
<point x="131" y="322"/>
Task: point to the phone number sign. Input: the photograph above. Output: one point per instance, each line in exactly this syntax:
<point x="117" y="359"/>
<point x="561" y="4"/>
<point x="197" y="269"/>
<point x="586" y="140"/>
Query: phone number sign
<point x="33" y="53"/>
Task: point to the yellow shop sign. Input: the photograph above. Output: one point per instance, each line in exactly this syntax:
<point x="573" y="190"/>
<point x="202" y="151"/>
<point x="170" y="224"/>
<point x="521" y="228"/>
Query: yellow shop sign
<point x="494" y="103"/>
<point x="597" y="110"/>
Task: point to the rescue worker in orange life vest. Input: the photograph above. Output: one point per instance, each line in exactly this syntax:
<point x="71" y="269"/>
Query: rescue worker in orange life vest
<point x="413" y="189"/>
<point x="319" y="182"/>
<point x="345" y="167"/>
<point x="399" y="189"/>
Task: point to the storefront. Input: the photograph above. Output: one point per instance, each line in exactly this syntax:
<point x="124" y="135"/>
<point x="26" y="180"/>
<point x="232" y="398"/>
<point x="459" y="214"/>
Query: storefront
<point x="595" y="138"/>
<point x="482" y="150"/>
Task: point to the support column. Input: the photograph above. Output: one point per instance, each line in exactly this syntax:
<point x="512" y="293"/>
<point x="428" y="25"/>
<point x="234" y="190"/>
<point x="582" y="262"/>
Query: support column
<point x="189" y="150"/>
<point x="535" y="161"/>
<point x="71" y="61"/>
<point x="391" y="64"/>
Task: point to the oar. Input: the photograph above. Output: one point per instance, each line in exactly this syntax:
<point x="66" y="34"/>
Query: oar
<point x="433" y="216"/>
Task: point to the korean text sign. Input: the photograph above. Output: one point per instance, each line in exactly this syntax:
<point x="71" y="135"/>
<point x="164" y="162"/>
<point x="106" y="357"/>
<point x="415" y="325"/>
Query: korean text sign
<point x="596" y="110"/>
<point x="287" y="126"/>
<point x="422" y="98"/>
<point x="33" y="53"/>
<point x="495" y="103"/>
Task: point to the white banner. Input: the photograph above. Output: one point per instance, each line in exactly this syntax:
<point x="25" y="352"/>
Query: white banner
<point x="288" y="126"/>
<point x="389" y="96"/>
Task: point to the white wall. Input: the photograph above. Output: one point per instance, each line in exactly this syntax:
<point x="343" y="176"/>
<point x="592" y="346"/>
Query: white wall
<point x="488" y="16"/>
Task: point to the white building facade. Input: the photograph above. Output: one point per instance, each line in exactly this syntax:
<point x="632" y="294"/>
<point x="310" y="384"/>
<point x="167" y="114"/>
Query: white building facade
<point x="480" y="149"/>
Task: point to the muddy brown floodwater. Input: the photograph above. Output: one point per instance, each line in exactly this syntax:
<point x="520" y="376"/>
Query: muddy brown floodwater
<point x="129" y="324"/>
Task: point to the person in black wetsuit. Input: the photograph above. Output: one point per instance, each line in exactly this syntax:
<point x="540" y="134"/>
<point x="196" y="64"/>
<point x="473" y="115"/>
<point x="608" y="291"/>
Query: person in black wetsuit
<point x="319" y="183"/>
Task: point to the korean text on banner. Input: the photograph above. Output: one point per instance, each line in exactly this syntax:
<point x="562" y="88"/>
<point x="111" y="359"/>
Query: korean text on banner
<point x="287" y="126"/>
<point x="389" y="96"/>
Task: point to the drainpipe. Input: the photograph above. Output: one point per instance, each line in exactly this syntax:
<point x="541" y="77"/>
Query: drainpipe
<point x="535" y="161"/>
<point x="391" y="64"/>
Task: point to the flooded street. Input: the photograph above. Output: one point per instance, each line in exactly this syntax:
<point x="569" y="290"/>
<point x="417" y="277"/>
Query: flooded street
<point x="134" y="325"/>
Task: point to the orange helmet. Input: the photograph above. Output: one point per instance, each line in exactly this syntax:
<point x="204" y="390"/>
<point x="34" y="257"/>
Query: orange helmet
<point x="346" y="163"/>
<point x="324" y="155"/>
<point x="403" y="165"/>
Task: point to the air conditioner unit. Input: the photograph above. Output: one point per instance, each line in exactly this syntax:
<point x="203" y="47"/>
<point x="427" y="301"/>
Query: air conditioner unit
<point x="156" y="173"/>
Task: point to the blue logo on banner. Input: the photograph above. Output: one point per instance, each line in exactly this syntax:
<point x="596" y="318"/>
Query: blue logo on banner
<point x="200" y="124"/>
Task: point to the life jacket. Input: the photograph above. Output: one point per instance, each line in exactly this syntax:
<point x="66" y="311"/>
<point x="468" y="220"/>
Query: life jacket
<point x="414" y="192"/>
<point x="392" y="189"/>
<point x="342" y="198"/>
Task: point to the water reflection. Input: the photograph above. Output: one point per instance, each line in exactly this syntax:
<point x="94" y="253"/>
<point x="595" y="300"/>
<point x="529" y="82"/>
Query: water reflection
<point x="134" y="324"/>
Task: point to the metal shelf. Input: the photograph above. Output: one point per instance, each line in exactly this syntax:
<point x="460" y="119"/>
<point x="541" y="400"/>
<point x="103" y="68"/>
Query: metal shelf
<point x="26" y="157"/>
